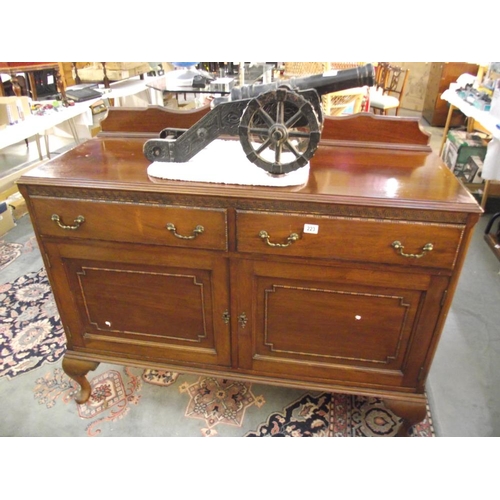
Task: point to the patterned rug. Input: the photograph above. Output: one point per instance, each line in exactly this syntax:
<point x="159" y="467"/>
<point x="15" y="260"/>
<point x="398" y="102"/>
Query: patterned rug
<point x="336" y="415"/>
<point x="112" y="395"/>
<point x="8" y="253"/>
<point x="30" y="331"/>
<point x="31" y="335"/>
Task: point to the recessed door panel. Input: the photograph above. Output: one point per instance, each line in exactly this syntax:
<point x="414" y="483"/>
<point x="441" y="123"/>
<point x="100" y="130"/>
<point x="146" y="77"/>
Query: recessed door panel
<point x="172" y="310"/>
<point x="162" y="305"/>
<point x="312" y="322"/>
<point x="334" y="322"/>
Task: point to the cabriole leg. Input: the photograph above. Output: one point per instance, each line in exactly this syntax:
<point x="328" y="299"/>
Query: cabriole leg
<point x="77" y="370"/>
<point x="412" y="412"/>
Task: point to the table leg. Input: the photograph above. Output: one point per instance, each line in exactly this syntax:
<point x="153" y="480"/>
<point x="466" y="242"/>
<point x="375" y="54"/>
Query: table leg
<point x="446" y="128"/>
<point x="37" y="140"/>
<point x="31" y="79"/>
<point x="77" y="77"/>
<point x="105" y="79"/>
<point x="77" y="370"/>
<point x="46" y="137"/>
<point x="470" y="125"/>
<point x="72" y="126"/>
<point x="411" y="412"/>
<point x="60" y="85"/>
<point x="484" y="198"/>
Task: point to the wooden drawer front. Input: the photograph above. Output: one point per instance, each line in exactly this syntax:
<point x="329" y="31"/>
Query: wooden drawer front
<point x="132" y="222"/>
<point x="364" y="240"/>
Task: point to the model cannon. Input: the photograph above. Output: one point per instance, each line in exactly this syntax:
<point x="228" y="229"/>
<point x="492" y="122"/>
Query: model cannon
<point x="279" y="124"/>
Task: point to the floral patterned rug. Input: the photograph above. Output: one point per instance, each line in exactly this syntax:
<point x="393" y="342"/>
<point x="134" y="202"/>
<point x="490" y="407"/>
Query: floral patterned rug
<point x="128" y="401"/>
<point x="30" y="331"/>
<point x="8" y="253"/>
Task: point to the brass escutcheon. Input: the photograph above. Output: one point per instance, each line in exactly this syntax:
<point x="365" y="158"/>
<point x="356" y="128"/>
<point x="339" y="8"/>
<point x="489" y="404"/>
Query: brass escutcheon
<point x="242" y="320"/>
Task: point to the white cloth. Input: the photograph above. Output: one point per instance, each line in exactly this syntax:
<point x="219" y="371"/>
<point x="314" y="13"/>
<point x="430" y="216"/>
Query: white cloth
<point x="491" y="163"/>
<point x="466" y="79"/>
<point x="225" y="162"/>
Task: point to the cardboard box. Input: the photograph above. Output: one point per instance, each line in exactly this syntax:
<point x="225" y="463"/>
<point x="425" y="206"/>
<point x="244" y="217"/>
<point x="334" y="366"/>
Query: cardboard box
<point x="460" y="146"/>
<point x="6" y="219"/>
<point x="18" y="205"/>
<point x="14" y="109"/>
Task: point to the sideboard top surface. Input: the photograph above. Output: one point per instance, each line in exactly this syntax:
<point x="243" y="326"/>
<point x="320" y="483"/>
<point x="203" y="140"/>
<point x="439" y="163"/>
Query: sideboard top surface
<point x="368" y="176"/>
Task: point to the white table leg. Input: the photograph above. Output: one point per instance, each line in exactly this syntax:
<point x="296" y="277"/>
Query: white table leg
<point x="46" y="137"/>
<point x="37" y="140"/>
<point x="72" y="127"/>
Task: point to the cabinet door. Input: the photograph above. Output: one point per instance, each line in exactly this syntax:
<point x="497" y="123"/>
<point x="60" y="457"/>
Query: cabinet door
<point x="149" y="303"/>
<point x="335" y="324"/>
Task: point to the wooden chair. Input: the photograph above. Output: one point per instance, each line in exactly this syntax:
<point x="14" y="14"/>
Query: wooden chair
<point x="390" y="85"/>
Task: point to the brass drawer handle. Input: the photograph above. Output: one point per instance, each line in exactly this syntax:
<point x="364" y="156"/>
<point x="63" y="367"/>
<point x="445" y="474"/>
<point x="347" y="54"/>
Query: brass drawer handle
<point x="196" y="231"/>
<point x="428" y="247"/>
<point x="78" y="222"/>
<point x="264" y="235"/>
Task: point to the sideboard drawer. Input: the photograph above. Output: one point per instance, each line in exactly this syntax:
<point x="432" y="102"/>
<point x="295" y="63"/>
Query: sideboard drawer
<point x="132" y="222"/>
<point x="420" y="244"/>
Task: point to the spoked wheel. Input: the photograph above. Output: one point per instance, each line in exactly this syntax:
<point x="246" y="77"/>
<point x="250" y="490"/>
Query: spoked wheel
<point x="279" y="131"/>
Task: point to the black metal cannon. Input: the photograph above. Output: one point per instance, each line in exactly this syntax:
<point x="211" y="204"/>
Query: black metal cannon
<point x="279" y="124"/>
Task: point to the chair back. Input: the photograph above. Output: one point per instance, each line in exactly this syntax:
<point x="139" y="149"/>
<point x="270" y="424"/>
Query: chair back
<point x="391" y="79"/>
<point x="389" y="88"/>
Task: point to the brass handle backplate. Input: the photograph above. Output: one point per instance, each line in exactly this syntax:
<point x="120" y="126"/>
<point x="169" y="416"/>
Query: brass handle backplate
<point x="77" y="222"/>
<point x="264" y="235"/>
<point x="428" y="247"/>
<point x="196" y="231"/>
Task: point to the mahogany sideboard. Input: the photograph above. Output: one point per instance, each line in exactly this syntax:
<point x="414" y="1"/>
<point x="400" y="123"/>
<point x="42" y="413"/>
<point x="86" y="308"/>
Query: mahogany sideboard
<point x="357" y="308"/>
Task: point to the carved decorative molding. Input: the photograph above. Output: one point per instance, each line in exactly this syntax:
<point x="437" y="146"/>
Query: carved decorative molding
<point x="285" y="205"/>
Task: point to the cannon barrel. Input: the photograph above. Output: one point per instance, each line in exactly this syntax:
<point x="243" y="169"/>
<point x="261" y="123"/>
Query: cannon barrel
<point x="323" y="83"/>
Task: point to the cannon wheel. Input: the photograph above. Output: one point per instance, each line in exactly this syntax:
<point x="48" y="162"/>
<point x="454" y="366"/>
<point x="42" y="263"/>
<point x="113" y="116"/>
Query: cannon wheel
<point x="279" y="131"/>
